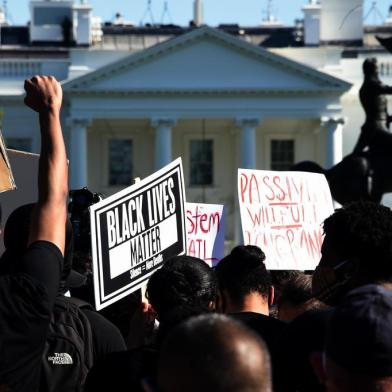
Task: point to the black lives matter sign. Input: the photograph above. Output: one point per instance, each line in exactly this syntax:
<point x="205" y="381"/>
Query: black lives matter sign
<point x="134" y="231"/>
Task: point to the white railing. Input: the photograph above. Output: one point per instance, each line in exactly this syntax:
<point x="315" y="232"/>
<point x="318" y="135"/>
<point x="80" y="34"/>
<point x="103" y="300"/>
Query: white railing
<point x="19" y="68"/>
<point x="385" y="69"/>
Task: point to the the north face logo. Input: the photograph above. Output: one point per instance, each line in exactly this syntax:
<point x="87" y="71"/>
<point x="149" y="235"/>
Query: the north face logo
<point x="61" y="359"/>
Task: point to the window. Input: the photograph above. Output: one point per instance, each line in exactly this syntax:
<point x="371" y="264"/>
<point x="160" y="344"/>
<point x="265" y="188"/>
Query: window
<point x="51" y="16"/>
<point x="19" y="143"/>
<point x="120" y="162"/>
<point x="282" y="154"/>
<point x="385" y="69"/>
<point x="201" y="164"/>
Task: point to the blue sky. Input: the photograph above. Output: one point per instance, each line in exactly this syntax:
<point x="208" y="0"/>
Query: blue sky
<point x="244" y="12"/>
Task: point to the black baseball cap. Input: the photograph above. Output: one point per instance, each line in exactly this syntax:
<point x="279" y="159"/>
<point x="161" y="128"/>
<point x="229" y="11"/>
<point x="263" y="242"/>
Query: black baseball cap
<point x="359" y="332"/>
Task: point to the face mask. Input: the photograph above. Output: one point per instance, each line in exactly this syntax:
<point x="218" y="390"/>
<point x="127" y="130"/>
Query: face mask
<point x="329" y="283"/>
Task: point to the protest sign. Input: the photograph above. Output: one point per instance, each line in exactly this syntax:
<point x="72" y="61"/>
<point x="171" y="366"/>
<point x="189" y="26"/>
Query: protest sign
<point x="134" y="231"/>
<point x="282" y="213"/>
<point x="7" y="181"/>
<point x="25" y="171"/>
<point x="205" y="232"/>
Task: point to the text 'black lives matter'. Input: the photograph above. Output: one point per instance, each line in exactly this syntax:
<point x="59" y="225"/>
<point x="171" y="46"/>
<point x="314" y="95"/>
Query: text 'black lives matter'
<point x="134" y="231"/>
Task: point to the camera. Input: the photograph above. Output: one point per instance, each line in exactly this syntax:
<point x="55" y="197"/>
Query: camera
<point x="80" y="201"/>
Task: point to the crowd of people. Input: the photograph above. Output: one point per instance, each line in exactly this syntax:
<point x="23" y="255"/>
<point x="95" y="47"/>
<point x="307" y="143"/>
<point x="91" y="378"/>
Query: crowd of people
<point x="235" y="327"/>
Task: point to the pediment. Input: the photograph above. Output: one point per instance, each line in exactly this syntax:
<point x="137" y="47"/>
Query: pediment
<point x="205" y="60"/>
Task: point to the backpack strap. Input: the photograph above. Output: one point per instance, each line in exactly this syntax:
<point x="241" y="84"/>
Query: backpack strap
<point x="70" y="333"/>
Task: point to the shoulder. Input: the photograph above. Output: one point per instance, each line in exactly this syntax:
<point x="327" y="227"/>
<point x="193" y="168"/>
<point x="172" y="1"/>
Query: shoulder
<point x="97" y="321"/>
<point x="44" y="248"/>
<point x="42" y="258"/>
<point x="107" y="337"/>
<point x="23" y="296"/>
<point x="257" y="317"/>
<point x="266" y="326"/>
<point x="24" y="281"/>
<point x="20" y="284"/>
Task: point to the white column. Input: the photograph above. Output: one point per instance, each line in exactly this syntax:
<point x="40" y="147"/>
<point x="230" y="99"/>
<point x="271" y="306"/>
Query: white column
<point x="163" y="141"/>
<point x="248" y="142"/>
<point x="198" y="12"/>
<point x="248" y="150"/>
<point x="334" y="148"/>
<point x="78" y="153"/>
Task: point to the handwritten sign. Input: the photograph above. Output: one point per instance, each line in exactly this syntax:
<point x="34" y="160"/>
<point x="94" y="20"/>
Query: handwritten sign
<point x="134" y="231"/>
<point x="282" y="213"/>
<point x="7" y="181"/>
<point x="205" y="232"/>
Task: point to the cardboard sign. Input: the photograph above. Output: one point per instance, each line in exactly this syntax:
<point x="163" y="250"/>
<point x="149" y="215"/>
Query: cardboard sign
<point x="205" y="232"/>
<point x="7" y="181"/>
<point x="25" y="170"/>
<point x="282" y="213"/>
<point x="134" y="231"/>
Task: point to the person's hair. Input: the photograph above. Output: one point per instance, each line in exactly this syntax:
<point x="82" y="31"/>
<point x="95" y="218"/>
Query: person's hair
<point x="243" y="272"/>
<point x="296" y="290"/>
<point x="182" y="281"/>
<point x="363" y="231"/>
<point x="279" y="277"/>
<point x="213" y="352"/>
<point x="16" y="229"/>
<point x="296" y="297"/>
<point x="369" y="66"/>
<point x="174" y="317"/>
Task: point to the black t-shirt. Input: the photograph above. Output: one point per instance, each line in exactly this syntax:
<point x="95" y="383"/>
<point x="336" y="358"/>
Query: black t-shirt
<point x="267" y="327"/>
<point x="26" y="302"/>
<point x="123" y="371"/>
<point x="107" y="337"/>
<point x="303" y="336"/>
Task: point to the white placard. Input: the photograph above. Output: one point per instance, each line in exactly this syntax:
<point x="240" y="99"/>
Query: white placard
<point x="205" y="228"/>
<point x="282" y="213"/>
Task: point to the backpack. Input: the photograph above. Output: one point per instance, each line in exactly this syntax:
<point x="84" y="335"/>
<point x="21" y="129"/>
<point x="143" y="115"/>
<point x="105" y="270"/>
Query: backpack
<point x="68" y="353"/>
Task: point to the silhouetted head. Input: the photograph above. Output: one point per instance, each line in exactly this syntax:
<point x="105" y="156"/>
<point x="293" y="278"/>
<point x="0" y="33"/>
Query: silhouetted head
<point x="213" y="353"/>
<point x="16" y="239"/>
<point x="174" y="317"/>
<point x="357" y="250"/>
<point x="370" y="67"/>
<point x="308" y="166"/>
<point x="183" y="280"/>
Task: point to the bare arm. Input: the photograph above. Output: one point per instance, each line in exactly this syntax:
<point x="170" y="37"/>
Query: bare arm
<point x="44" y="95"/>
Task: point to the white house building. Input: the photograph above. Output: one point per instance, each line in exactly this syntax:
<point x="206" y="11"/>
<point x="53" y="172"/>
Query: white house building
<point x="221" y="98"/>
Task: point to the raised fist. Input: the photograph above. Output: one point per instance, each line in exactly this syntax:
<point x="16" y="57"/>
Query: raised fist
<point x="43" y="94"/>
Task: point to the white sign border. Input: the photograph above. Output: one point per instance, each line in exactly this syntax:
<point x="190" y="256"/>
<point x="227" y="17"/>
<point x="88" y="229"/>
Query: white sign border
<point x="102" y="301"/>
